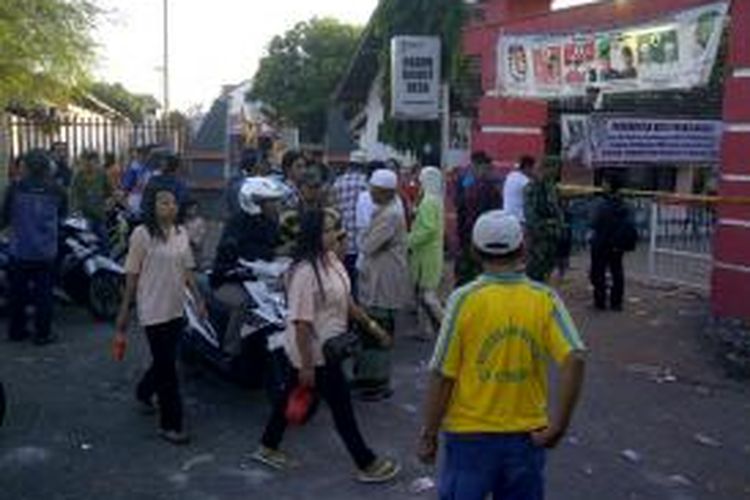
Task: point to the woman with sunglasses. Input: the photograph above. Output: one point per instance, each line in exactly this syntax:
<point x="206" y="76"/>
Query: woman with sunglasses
<point x="320" y="307"/>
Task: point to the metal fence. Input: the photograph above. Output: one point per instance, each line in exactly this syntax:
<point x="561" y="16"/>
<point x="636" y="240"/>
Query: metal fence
<point x="675" y="233"/>
<point x="106" y="135"/>
<point x="680" y="242"/>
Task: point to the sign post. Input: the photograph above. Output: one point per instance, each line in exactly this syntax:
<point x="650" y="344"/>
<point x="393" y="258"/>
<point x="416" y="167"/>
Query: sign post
<point x="415" y="78"/>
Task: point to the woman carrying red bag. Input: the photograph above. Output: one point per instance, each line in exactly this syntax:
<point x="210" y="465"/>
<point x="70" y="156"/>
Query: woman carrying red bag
<point x="319" y="310"/>
<point x="159" y="266"/>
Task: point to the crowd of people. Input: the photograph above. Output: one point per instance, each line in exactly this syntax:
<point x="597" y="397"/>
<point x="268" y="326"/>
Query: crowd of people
<point x="46" y="187"/>
<point x="367" y="245"/>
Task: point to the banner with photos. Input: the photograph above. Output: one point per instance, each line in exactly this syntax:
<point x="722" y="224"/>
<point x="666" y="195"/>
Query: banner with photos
<point x="575" y="135"/>
<point x="674" y="53"/>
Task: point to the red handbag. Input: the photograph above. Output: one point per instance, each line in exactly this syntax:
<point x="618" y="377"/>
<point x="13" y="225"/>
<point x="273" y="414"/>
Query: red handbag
<point x="300" y="405"/>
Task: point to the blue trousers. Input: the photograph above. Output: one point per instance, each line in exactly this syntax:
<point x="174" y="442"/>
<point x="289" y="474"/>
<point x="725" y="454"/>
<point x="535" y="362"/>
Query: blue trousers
<point x="508" y="466"/>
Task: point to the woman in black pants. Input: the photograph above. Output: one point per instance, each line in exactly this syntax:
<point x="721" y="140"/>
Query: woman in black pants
<point x="159" y="266"/>
<point x="320" y="306"/>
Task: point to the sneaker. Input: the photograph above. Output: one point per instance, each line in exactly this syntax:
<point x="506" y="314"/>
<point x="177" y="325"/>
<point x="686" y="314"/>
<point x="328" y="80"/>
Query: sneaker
<point x="276" y="459"/>
<point x="174" y="437"/>
<point x="382" y="470"/>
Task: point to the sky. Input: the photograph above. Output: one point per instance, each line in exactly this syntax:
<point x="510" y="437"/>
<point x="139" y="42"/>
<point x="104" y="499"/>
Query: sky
<point x="212" y="42"/>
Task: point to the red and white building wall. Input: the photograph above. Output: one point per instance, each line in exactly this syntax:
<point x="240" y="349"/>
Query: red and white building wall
<point x="731" y="278"/>
<point x="508" y="127"/>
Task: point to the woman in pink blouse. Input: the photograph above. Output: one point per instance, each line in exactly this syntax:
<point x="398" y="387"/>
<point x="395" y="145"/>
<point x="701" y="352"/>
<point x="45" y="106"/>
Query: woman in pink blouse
<point x="320" y="306"/>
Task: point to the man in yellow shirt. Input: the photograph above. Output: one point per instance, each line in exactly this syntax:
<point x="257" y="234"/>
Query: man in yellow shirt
<point x="488" y="392"/>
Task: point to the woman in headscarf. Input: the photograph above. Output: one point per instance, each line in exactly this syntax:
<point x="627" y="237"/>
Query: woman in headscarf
<point x="426" y="251"/>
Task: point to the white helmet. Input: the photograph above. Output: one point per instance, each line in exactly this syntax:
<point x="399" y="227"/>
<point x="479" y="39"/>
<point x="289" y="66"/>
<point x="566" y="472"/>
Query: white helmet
<point x="256" y="190"/>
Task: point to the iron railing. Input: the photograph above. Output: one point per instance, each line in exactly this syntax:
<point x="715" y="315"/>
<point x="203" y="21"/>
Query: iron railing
<point x="675" y="234"/>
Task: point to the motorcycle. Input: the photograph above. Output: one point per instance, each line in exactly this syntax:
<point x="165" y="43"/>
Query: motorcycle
<point x="85" y="273"/>
<point x="262" y="330"/>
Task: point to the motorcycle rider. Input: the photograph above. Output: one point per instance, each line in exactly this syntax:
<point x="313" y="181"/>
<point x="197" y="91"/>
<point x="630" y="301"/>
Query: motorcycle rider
<point x="33" y="207"/>
<point x="252" y="234"/>
<point x="248" y="164"/>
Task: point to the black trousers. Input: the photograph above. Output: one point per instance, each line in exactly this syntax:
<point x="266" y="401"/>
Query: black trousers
<point x="30" y="284"/>
<point x="161" y="377"/>
<point x="605" y="260"/>
<point x="350" y="263"/>
<point x="331" y="384"/>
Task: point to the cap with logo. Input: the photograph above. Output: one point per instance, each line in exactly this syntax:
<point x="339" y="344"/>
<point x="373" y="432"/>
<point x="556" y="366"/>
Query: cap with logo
<point x="497" y="233"/>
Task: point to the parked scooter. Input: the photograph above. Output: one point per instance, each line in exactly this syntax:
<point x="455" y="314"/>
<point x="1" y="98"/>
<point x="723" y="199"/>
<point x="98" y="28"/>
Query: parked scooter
<point x="262" y="330"/>
<point x="85" y="273"/>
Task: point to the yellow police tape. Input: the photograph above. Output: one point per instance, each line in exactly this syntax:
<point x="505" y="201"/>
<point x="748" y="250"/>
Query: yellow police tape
<point x="571" y="190"/>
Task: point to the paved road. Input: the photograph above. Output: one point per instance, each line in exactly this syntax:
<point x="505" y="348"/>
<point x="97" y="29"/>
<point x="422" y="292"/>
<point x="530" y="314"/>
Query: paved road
<point x="72" y="433"/>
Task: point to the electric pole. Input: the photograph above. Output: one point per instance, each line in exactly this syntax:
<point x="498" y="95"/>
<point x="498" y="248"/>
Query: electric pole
<point x="166" y="57"/>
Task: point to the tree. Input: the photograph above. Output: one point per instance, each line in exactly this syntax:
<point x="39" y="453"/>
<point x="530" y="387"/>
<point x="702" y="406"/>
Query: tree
<point x="134" y="106"/>
<point x="443" y="18"/>
<point x="301" y="70"/>
<point x="46" y="48"/>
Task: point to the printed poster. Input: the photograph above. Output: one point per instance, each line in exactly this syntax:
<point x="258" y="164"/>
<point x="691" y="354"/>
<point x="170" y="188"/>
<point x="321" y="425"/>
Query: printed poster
<point x="676" y="52"/>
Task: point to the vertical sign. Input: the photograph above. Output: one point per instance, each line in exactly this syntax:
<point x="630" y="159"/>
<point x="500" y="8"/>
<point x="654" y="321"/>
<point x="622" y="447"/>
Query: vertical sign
<point x="415" y="78"/>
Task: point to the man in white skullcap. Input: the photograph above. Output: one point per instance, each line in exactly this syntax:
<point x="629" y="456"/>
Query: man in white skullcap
<point x="384" y="286"/>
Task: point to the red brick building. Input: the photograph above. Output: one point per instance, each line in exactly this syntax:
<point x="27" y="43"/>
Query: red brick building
<point x="509" y="127"/>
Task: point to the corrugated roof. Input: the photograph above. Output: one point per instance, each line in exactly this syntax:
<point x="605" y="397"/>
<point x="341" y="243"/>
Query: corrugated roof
<point x="363" y="67"/>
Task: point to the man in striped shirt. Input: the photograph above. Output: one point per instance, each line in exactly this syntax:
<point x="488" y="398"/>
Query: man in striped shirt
<point x="488" y="393"/>
<point x="346" y="191"/>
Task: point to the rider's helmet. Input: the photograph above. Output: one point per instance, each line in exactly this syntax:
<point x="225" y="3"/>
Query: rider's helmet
<point x="256" y="190"/>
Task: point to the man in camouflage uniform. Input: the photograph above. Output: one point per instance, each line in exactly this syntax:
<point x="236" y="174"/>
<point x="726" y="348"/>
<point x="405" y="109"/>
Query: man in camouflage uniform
<point x="544" y="222"/>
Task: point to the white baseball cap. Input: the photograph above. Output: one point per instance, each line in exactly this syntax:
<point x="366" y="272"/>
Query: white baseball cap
<point x="384" y="178"/>
<point x="497" y="233"/>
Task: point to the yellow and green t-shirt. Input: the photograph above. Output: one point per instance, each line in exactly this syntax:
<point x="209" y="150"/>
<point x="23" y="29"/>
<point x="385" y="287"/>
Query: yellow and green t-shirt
<point x="498" y="334"/>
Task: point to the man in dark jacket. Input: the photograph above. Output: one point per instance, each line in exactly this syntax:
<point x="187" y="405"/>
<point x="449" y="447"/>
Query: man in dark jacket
<point x="34" y="207"/>
<point x="248" y="164"/>
<point x="251" y="235"/>
<point x="611" y="219"/>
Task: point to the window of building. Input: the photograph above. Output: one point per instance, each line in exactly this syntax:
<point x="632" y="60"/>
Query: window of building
<point x="476" y="11"/>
